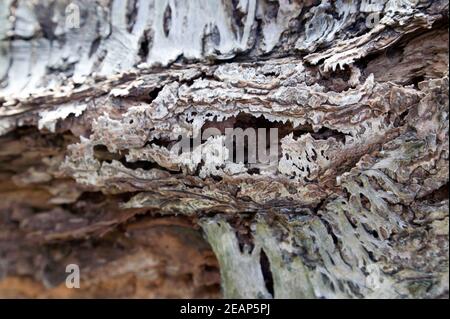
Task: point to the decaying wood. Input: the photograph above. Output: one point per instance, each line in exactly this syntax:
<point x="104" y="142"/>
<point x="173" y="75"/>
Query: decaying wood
<point x="355" y="207"/>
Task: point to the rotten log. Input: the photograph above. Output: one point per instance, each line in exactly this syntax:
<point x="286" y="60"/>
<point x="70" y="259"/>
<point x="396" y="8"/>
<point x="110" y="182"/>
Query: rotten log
<point x="94" y="97"/>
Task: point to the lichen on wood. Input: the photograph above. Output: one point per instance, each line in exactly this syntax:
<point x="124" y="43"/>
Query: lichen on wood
<point x="355" y="204"/>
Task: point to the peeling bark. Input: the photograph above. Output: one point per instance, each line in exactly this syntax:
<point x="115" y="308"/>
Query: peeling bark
<point x="355" y="205"/>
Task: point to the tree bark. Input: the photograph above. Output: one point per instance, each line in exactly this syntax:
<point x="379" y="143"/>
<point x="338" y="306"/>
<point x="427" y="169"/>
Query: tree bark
<point x="94" y="97"/>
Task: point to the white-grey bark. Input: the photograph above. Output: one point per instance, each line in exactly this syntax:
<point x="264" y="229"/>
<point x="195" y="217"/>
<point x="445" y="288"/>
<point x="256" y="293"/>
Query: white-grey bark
<point x="356" y="205"/>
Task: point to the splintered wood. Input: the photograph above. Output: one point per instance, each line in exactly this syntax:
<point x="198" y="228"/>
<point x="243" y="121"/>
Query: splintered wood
<point x="97" y="96"/>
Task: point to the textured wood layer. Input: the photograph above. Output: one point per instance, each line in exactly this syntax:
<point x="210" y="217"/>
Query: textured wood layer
<point x="356" y="205"/>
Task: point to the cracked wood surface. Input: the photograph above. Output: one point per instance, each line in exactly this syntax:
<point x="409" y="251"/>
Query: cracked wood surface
<point x="356" y="206"/>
